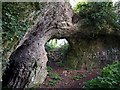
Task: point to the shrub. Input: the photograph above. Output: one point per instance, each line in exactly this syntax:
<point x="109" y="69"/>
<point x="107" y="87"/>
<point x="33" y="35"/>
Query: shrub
<point x="110" y="78"/>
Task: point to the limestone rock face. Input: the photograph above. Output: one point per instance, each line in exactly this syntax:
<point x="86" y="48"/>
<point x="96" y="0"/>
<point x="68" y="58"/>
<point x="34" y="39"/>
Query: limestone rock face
<point x="27" y="64"/>
<point x="97" y="51"/>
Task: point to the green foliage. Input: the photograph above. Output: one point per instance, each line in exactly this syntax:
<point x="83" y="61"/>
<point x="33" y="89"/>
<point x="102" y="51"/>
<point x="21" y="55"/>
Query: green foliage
<point x="68" y="68"/>
<point x="78" y="77"/>
<point x="54" y="76"/>
<point x="60" y="64"/>
<point x="17" y="17"/>
<point x="110" y="78"/>
<point x="57" y="51"/>
<point x="52" y="44"/>
<point x="52" y="82"/>
<point x="12" y="25"/>
<point x="64" y="48"/>
<point x="101" y="15"/>
<point x="49" y="68"/>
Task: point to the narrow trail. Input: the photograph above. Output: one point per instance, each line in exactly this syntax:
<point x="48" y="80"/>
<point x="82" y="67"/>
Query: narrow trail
<point x="67" y="80"/>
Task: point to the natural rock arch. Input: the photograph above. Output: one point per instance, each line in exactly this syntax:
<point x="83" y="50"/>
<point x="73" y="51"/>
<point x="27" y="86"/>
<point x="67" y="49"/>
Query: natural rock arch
<point x="93" y="51"/>
<point x="27" y="64"/>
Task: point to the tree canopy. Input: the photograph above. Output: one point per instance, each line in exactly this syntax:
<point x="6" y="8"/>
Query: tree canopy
<point x="100" y="15"/>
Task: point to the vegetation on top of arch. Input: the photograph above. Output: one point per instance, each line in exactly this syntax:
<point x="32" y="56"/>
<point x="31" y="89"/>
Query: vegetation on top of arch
<point x="100" y="15"/>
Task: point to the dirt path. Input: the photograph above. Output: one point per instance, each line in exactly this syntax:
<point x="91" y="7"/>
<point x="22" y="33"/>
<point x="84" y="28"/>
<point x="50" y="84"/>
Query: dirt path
<point x="69" y="78"/>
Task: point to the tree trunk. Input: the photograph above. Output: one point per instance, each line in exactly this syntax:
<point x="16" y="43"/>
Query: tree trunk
<point x="27" y="64"/>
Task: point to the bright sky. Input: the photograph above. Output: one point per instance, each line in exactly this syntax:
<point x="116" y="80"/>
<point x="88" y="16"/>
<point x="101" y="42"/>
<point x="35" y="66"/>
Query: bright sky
<point x="61" y="42"/>
<point x="74" y="2"/>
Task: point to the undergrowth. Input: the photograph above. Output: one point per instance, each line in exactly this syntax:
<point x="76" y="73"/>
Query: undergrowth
<point x="109" y="78"/>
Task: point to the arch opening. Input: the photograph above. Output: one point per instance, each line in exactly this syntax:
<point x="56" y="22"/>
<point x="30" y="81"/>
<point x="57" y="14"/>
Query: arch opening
<point x="56" y="52"/>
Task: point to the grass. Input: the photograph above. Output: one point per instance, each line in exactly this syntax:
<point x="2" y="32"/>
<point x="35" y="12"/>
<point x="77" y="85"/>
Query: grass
<point x="78" y="77"/>
<point x="52" y="82"/>
<point x="55" y="78"/>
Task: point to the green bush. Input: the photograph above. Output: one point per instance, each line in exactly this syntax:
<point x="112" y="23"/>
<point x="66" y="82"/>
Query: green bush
<point x="100" y="15"/>
<point x="110" y="78"/>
